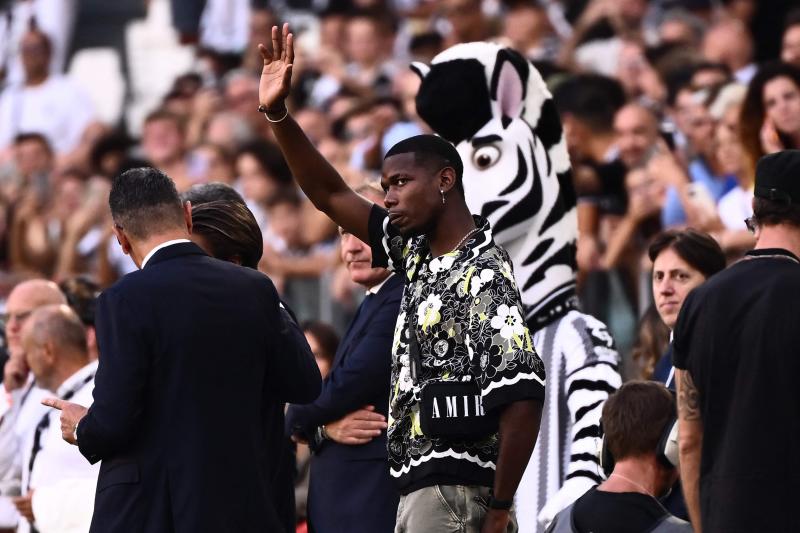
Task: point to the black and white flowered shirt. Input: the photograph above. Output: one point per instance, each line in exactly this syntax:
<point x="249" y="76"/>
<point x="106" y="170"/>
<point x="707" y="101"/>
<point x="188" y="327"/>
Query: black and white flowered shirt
<point x="470" y="326"/>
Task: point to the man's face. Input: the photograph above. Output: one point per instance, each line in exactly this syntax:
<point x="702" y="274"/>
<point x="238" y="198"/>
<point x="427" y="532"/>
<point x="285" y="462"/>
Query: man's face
<point x="790" y="51"/>
<point x="162" y="142"/>
<point x="700" y="129"/>
<point x="673" y="279"/>
<point x="32" y="157"/>
<point x="35" y="55"/>
<point x="636" y="133"/>
<point x="412" y="194"/>
<point x="18" y="308"/>
<point x="357" y="256"/>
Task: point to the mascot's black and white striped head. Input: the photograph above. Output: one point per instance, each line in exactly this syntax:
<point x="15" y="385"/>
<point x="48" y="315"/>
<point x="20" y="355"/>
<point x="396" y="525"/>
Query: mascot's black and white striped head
<point x="494" y="106"/>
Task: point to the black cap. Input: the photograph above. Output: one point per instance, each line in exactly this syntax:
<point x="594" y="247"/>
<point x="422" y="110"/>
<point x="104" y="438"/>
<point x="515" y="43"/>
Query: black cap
<point x="778" y="177"/>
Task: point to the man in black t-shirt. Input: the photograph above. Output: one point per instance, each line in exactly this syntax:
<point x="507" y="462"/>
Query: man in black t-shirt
<point x="735" y="348"/>
<point x="635" y="419"/>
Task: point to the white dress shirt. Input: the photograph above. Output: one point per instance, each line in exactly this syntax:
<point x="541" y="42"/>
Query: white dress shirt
<point x="62" y="480"/>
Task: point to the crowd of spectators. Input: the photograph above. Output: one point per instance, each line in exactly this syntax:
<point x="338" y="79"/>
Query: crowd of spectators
<point x="667" y="105"/>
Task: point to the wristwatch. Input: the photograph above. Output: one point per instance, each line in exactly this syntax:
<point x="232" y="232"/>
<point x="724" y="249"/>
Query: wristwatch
<point x="502" y="505"/>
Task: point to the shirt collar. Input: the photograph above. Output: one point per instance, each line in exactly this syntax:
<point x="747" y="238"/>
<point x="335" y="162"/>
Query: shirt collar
<point x="159" y="247"/>
<point x="772" y="251"/>
<point x="376" y="288"/>
<point x="76" y="378"/>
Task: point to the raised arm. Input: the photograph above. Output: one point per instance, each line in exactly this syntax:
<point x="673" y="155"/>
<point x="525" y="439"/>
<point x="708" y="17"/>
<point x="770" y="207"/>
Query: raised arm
<point x="319" y="180"/>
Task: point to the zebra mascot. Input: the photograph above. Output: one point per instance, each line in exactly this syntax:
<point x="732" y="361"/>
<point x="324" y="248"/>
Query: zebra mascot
<point x="494" y="106"/>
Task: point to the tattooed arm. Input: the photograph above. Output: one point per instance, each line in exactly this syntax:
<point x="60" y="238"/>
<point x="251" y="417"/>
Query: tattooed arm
<point x="690" y="442"/>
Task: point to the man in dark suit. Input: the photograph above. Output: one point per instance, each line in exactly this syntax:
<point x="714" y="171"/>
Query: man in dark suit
<point x="350" y="489"/>
<point x="197" y="364"/>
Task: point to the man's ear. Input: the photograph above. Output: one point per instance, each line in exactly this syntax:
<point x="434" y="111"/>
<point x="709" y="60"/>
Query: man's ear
<point x="49" y="352"/>
<point x="187" y="215"/>
<point x="447" y="178"/>
<point x="122" y="239"/>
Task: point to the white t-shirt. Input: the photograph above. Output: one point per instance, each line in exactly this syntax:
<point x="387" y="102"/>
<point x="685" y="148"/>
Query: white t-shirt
<point x="57" y="108"/>
<point x="735" y="206"/>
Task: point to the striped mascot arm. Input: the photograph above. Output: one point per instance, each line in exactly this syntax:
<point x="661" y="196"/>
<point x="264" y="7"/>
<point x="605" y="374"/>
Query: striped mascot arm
<point x="591" y="368"/>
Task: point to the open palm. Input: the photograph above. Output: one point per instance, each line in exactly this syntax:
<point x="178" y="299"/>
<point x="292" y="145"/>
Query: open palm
<point x="276" y="76"/>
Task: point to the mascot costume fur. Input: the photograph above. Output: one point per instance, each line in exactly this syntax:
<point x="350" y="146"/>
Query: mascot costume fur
<point x="494" y="106"/>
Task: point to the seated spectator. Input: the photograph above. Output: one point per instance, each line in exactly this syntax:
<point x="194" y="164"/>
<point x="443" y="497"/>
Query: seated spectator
<point x="790" y="46"/>
<point x="286" y="255"/>
<point x="638" y="421"/>
<point x="261" y="171"/>
<point x="651" y="344"/>
<point x="164" y="145"/>
<point x="58" y="484"/>
<point x="770" y="119"/>
<point x="211" y="162"/>
<point x="82" y="293"/>
<point x="731" y="43"/>
<point x="48" y="104"/>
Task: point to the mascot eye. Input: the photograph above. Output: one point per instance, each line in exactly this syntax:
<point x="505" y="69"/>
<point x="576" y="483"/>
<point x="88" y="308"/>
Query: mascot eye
<point x="485" y="156"/>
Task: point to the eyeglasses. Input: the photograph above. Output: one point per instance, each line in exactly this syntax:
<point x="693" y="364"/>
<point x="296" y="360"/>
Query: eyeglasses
<point x="20" y="317"/>
<point x="750" y="222"/>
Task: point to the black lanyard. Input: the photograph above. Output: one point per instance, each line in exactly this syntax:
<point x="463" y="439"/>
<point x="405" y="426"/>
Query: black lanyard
<point x="44" y="423"/>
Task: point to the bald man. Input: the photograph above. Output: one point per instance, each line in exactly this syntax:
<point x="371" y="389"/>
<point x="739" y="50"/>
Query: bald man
<point x="58" y="484"/>
<point x="21" y="409"/>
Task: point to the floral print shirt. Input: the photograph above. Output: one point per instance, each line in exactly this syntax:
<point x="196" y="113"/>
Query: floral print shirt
<point x="470" y="327"/>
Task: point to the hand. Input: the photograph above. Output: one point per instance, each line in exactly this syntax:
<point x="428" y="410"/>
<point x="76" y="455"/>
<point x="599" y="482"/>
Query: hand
<point x="276" y="76"/>
<point x="358" y="427"/>
<point x="495" y="521"/>
<point x="664" y="166"/>
<point x="24" y="505"/>
<point x="15" y="373"/>
<point x="770" y="141"/>
<point x="71" y="414"/>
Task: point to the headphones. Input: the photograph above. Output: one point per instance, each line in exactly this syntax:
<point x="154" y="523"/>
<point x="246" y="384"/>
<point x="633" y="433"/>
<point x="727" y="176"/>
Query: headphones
<point x="666" y="450"/>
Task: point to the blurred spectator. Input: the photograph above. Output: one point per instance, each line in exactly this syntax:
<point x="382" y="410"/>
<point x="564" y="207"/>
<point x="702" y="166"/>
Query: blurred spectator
<point x="790" y="48"/>
<point x="527" y="29"/>
<point x="324" y="342"/>
<point x="467" y="22"/>
<point x="770" y="119"/>
<point x="164" y="145"/>
<point x="730" y="42"/>
<point x="587" y="104"/>
<point x="678" y="26"/>
<point x="54" y="18"/>
<point x="651" y="343"/>
<point x="48" y="104"/>
<point x="636" y="132"/>
<point x="58" y="484"/>
<point x="82" y="293"/>
<point x="261" y="171"/>
<point x="211" y="162"/>
<point x="707" y="74"/>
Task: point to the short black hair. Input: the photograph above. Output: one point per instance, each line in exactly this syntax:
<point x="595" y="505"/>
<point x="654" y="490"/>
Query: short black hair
<point x="699" y="249"/>
<point x="269" y="158"/>
<point x="431" y="151"/>
<point x="591" y="98"/>
<point x="230" y="230"/>
<point x="770" y="212"/>
<point x="210" y="192"/>
<point x="326" y="337"/>
<point x="82" y="293"/>
<point x="33" y="137"/>
<point x="144" y="201"/>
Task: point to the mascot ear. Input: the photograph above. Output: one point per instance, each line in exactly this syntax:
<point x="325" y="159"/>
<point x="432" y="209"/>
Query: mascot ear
<point x="508" y="85"/>
<point x="420" y="69"/>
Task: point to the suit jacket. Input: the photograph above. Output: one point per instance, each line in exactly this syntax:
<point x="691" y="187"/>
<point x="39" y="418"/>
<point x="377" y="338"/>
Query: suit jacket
<point x="188" y="401"/>
<point x="350" y="489"/>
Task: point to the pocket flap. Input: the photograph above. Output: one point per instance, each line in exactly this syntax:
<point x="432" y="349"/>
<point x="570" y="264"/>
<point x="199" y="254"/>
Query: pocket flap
<point x="117" y="475"/>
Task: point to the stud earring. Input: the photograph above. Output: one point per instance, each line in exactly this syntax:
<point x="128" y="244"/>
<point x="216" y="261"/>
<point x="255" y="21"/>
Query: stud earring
<point x="441" y="191"/>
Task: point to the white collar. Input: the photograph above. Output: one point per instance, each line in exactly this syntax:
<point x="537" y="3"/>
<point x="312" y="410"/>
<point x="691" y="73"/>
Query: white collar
<point x="160" y="246"/>
<point x="375" y="288"/>
<point x="76" y="378"/>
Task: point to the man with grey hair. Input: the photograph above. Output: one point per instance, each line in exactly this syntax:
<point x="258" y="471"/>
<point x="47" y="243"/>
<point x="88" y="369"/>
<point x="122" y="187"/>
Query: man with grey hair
<point x="57" y="483"/>
<point x="21" y="409"/>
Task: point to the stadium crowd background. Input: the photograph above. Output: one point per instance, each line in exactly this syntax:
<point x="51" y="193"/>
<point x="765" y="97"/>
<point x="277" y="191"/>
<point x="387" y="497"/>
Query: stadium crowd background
<point x="667" y="104"/>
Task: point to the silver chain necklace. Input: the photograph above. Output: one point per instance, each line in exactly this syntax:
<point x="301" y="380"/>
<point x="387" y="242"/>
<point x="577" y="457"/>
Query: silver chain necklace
<point x="464" y="239"/>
